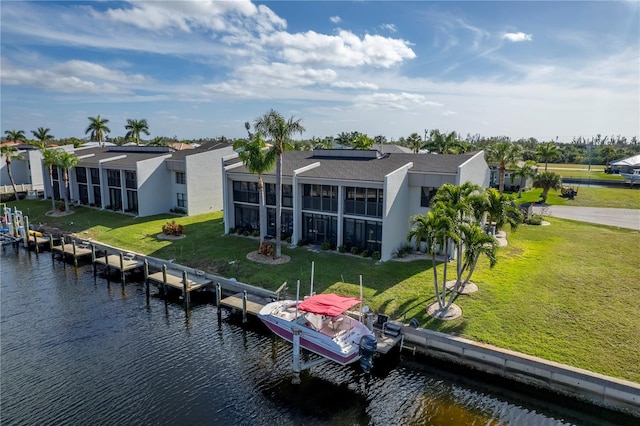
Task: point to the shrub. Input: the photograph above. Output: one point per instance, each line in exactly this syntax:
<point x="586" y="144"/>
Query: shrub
<point x="255" y="234"/>
<point x="536" y="219"/>
<point x="326" y="245"/>
<point x="172" y="228"/>
<point x="232" y="230"/>
<point x="366" y="253"/>
<point x="61" y="207"/>
<point x="375" y="255"/>
<point x="355" y="250"/>
<point x="267" y="249"/>
<point x="245" y="233"/>
<point x="342" y="249"/>
<point x="403" y="250"/>
<point x="288" y="240"/>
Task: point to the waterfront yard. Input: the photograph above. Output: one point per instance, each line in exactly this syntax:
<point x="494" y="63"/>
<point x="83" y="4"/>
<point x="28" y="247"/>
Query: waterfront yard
<point x="567" y="292"/>
<point x="589" y="196"/>
<point x="579" y="171"/>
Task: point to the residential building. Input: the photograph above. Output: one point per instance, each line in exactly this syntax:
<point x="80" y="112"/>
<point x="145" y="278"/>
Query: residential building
<point x="146" y="180"/>
<point x="26" y="172"/>
<point x="349" y="198"/>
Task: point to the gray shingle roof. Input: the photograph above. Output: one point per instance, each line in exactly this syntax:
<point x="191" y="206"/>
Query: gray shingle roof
<point x="364" y="169"/>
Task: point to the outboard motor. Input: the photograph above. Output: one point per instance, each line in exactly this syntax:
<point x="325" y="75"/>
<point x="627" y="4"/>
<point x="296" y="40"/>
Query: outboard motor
<point x="368" y="346"/>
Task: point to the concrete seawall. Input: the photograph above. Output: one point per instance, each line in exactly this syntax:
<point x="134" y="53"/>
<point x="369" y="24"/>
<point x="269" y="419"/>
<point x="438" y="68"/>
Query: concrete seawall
<point x="598" y="389"/>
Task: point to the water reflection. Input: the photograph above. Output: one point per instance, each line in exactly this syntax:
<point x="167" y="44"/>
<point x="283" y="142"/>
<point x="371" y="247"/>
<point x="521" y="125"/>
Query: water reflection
<point x="99" y="352"/>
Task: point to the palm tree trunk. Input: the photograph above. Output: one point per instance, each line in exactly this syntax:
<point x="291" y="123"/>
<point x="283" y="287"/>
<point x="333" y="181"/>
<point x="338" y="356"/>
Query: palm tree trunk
<point x="65" y="177"/>
<point x="263" y="210"/>
<point x="278" y="202"/>
<point x="444" y="276"/>
<point x="501" y="178"/>
<point x="53" y="200"/>
<point x="13" y="183"/>
<point x="435" y="279"/>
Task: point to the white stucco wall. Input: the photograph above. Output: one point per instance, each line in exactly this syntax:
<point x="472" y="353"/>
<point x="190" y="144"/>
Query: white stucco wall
<point x="204" y="181"/>
<point x="153" y="181"/>
<point x="475" y="170"/>
<point x="395" y="223"/>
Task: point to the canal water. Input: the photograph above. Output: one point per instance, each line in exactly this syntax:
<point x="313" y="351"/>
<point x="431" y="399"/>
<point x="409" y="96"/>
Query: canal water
<point x="76" y="349"/>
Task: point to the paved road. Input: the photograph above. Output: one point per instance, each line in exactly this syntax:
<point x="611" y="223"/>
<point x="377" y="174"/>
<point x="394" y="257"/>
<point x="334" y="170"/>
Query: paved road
<point x="623" y="218"/>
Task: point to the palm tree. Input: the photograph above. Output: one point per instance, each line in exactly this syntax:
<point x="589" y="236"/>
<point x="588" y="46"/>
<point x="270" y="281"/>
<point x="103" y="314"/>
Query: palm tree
<point x="414" y="141"/>
<point x="273" y="125"/>
<point x="258" y="160"/>
<point x="98" y="128"/>
<point x="362" y="141"/>
<point x="42" y="135"/>
<point x="547" y="181"/>
<point x="437" y="230"/>
<point x="442" y="143"/>
<point x="476" y="243"/>
<point x="524" y="172"/>
<point x="66" y="161"/>
<point x="15" y="135"/>
<point x="501" y="209"/>
<point x="10" y="153"/>
<point x="50" y="159"/>
<point x="547" y="151"/>
<point x="503" y="153"/>
<point x="158" y="141"/>
<point x="134" y="128"/>
<point x="461" y="201"/>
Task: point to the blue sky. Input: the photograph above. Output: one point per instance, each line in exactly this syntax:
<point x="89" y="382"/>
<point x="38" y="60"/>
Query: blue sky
<point x="202" y="69"/>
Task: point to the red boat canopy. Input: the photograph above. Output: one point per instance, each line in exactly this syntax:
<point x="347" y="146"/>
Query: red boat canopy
<point x="327" y="304"/>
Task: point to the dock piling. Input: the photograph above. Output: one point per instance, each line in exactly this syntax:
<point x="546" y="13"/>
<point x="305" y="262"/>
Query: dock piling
<point x="122" y="268"/>
<point x="244" y="306"/>
<point x="75" y="256"/>
<point x="164" y="281"/>
<point x="185" y="288"/>
<point x="146" y="278"/>
<point x="93" y="259"/>
<point x="26" y="233"/>
<point x="218" y="298"/>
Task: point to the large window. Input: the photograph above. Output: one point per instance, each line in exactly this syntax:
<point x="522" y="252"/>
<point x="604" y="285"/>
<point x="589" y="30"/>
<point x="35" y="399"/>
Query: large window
<point x="363" y="234"/>
<point x="83" y="194"/>
<point x="181" y="178"/>
<point x="320" y="197"/>
<point x="247" y="218"/>
<point x="426" y="195"/>
<point x="286" y="223"/>
<point x="113" y="178"/>
<point x="245" y="192"/>
<point x="363" y="201"/>
<point x="97" y="195"/>
<point x="287" y="195"/>
<point x="318" y="228"/>
<point x="182" y="200"/>
<point x="95" y="175"/>
<point x="130" y="179"/>
<point x="81" y="174"/>
<point x="132" y="201"/>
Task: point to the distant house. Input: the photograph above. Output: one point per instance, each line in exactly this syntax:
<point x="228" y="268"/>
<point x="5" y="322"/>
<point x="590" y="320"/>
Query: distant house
<point x="348" y="198"/>
<point x="511" y="181"/>
<point x="625" y="165"/>
<point x="26" y="172"/>
<point x="146" y="180"/>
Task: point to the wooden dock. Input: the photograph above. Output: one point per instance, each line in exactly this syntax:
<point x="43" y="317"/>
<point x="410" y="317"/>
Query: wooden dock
<point x="252" y="305"/>
<point x="176" y="280"/>
<point x="73" y="250"/>
<point x="120" y="262"/>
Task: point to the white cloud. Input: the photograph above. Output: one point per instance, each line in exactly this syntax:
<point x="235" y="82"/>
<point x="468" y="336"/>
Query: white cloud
<point x="71" y="77"/>
<point x="335" y="19"/>
<point x="402" y="101"/>
<point x="389" y="27"/>
<point x="516" y="37"/>
<point x="345" y="49"/>
<point x="354" y="85"/>
<point x="449" y="113"/>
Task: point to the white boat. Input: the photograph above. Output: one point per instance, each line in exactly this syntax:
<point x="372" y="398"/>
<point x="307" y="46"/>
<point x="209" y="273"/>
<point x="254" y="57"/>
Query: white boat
<point x="325" y="328"/>
<point x="631" y="177"/>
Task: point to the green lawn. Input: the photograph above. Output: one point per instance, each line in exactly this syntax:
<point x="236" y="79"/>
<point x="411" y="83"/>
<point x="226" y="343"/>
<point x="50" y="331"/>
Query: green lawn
<point x="567" y="292"/>
<point x="589" y="196"/>
<point x="580" y="171"/>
